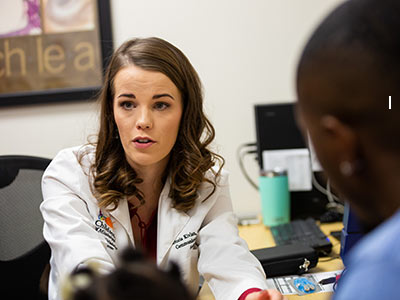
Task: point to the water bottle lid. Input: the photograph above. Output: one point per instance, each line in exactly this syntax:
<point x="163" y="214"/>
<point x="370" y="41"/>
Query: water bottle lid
<point x="277" y="171"/>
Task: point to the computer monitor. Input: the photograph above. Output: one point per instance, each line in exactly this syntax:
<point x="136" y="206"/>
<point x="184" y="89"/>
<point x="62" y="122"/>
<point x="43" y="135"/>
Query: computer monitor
<point x="276" y="128"/>
<point x="278" y="134"/>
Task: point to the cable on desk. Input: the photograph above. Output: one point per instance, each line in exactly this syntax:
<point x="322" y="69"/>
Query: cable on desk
<point x="329" y="258"/>
<point x="240" y="154"/>
<point x="334" y="201"/>
<point x="338" y="280"/>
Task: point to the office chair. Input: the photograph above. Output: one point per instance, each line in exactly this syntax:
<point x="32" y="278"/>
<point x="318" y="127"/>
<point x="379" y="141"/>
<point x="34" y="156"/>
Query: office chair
<point x="24" y="254"/>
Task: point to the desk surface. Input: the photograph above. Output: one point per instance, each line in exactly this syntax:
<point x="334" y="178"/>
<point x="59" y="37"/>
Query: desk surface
<point x="259" y="236"/>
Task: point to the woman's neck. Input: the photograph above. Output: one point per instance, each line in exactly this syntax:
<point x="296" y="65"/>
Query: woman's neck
<point x="152" y="184"/>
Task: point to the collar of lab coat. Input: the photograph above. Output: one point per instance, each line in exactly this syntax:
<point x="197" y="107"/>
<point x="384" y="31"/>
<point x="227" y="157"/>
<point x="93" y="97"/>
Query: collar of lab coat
<point x="170" y="221"/>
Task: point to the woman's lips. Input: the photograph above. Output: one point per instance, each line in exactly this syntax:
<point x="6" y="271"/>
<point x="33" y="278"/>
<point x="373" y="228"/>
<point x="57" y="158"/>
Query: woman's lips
<point x="143" y="143"/>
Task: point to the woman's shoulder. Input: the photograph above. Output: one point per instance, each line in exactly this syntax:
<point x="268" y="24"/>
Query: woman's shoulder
<point x="69" y="177"/>
<point x="82" y="152"/>
<point x="211" y="190"/>
<point x="218" y="175"/>
<point x="216" y="179"/>
<point x="74" y="157"/>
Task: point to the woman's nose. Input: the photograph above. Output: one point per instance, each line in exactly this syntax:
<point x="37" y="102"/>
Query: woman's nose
<point x="145" y="120"/>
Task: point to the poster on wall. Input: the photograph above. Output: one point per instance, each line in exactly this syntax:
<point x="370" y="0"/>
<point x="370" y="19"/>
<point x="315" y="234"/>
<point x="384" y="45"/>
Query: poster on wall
<point x="52" y="50"/>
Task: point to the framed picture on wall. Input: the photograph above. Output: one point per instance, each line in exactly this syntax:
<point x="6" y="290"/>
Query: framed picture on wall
<point x="53" y="50"/>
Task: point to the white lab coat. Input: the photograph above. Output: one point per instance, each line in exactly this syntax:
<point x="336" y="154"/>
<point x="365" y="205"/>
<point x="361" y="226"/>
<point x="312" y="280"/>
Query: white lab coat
<point x="205" y="240"/>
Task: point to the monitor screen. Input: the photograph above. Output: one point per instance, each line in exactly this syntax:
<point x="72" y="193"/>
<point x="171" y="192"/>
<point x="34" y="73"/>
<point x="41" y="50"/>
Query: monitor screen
<point x="276" y="128"/>
<point x="281" y="144"/>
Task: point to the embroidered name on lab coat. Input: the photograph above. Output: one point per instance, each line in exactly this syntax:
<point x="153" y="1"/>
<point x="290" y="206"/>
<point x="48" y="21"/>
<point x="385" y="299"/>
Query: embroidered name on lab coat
<point x="104" y="226"/>
<point x="186" y="239"/>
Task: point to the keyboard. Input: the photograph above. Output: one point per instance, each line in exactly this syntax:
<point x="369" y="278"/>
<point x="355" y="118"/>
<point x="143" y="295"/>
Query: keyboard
<point x="304" y="232"/>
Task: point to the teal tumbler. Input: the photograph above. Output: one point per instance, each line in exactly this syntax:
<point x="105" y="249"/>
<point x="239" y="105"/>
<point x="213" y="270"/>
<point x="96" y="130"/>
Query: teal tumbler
<point x="275" y="197"/>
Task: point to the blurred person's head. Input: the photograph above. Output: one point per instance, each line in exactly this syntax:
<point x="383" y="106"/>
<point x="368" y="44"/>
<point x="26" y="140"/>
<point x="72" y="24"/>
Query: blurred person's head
<point x="348" y="69"/>
<point x="136" y="277"/>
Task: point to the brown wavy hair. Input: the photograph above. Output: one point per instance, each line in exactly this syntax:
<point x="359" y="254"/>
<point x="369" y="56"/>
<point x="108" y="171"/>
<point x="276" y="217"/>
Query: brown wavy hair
<point x="190" y="157"/>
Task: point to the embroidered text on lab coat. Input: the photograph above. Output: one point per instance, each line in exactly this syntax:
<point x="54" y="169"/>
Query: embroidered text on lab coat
<point x="185" y="239"/>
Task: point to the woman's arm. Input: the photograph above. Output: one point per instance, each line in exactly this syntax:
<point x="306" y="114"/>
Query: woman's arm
<point x="69" y="214"/>
<point x="225" y="261"/>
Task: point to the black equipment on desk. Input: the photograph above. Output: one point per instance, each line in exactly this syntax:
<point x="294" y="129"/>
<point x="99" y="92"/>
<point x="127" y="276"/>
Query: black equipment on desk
<point x="276" y="129"/>
<point x="294" y="259"/>
<point x="304" y="232"/>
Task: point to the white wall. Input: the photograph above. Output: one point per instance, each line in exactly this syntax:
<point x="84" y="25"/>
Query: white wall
<point x="244" y="51"/>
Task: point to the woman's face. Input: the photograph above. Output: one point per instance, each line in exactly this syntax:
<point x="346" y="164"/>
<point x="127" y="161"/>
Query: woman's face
<point x="147" y="110"/>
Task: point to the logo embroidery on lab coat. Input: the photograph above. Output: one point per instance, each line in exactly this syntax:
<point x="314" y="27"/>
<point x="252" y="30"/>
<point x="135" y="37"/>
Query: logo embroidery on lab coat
<point x="105" y="226"/>
<point x="186" y="239"/>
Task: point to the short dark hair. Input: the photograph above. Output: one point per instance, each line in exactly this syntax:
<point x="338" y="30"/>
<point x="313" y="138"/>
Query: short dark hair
<point x="368" y="24"/>
<point x="136" y="277"/>
<point x="363" y="35"/>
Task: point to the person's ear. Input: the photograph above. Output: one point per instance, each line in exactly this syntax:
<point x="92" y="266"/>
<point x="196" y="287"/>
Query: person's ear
<point x="343" y="141"/>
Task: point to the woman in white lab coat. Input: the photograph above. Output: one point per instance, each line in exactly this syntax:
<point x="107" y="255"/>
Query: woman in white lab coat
<point x="149" y="181"/>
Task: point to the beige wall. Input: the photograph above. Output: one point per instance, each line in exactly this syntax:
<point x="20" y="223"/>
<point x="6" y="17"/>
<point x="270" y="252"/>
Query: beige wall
<point x="244" y="51"/>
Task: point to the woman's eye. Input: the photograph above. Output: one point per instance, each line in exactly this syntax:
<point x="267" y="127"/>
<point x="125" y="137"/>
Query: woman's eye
<point x="161" y="105"/>
<point x="127" y="105"/>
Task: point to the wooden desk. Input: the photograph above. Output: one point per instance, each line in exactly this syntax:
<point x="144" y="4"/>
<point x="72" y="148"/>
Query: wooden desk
<point x="259" y="236"/>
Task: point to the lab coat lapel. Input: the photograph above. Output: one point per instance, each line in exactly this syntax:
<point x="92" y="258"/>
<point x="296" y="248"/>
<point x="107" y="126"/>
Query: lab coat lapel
<point x="121" y="214"/>
<point x="170" y="224"/>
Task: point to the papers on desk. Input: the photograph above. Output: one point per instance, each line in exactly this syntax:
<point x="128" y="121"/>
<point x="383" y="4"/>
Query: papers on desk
<point x="282" y="284"/>
<point x="295" y="161"/>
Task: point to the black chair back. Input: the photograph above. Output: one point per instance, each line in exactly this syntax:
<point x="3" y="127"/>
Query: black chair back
<point x="24" y="254"/>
